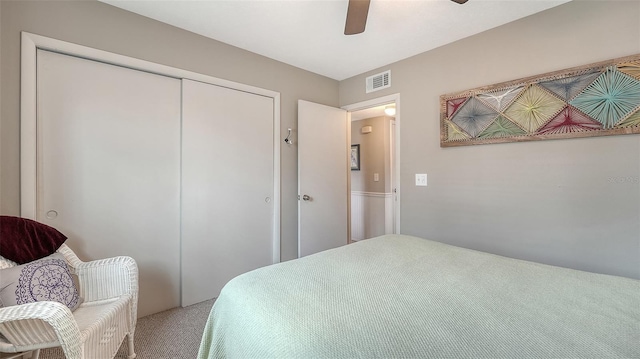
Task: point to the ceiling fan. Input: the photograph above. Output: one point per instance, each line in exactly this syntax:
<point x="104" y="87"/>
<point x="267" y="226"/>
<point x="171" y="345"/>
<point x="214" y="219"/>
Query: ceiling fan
<point x="357" y="16"/>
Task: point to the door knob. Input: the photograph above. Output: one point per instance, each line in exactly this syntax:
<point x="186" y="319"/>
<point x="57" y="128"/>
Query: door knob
<point x="306" y="197"/>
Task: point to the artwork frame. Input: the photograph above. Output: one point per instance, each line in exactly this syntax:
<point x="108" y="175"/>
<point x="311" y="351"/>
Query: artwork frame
<point x="584" y="101"/>
<point x="355" y="157"/>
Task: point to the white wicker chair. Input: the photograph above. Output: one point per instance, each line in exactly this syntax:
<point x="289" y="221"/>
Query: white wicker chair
<point x="95" y="330"/>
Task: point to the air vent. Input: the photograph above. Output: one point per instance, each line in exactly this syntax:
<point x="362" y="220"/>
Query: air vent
<point x="379" y="81"/>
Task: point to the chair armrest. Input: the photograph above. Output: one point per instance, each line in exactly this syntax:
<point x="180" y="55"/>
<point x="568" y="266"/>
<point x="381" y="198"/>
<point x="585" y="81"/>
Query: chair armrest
<point x="40" y="325"/>
<point x="108" y="278"/>
<point x="104" y="278"/>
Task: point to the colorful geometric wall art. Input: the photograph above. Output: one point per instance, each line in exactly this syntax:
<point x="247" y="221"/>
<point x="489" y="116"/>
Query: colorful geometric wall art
<point x="592" y="100"/>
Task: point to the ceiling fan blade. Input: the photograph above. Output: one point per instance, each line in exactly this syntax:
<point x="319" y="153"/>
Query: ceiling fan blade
<point x="356" y="16"/>
<point x="460" y="1"/>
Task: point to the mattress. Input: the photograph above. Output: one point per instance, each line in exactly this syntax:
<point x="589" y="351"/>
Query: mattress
<point x="399" y="296"/>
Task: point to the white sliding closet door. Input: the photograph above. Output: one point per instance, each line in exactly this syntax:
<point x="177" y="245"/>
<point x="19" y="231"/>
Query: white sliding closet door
<point x="227" y="187"/>
<point x="108" y="167"/>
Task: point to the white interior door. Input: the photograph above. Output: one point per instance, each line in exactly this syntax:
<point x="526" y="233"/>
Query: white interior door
<point x="227" y="187"/>
<point x="323" y="177"/>
<point x="108" y="167"/>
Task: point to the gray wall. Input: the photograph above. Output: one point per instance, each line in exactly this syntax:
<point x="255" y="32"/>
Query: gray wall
<point x="1" y="113"/>
<point x="102" y="26"/>
<point x="374" y="155"/>
<point x="574" y="202"/>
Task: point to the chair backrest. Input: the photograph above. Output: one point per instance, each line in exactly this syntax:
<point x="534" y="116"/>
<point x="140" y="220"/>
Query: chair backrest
<point x="5" y="263"/>
<point x="66" y="251"/>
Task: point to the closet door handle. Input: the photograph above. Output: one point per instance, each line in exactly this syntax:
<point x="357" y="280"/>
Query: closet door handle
<point x="306" y="197"/>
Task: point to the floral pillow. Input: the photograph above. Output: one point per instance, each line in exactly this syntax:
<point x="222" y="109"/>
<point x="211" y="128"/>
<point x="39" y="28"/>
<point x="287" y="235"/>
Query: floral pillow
<point x="47" y="279"/>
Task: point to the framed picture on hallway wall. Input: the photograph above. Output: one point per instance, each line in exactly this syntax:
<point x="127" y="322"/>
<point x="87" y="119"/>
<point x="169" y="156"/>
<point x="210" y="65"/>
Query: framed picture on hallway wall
<point x="355" y="157"/>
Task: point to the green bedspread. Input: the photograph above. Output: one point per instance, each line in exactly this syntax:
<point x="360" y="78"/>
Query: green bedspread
<point x="406" y="297"/>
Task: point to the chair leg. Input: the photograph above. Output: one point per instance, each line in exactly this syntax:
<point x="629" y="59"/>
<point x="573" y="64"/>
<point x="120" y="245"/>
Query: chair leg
<point x="132" y="353"/>
<point x="35" y="354"/>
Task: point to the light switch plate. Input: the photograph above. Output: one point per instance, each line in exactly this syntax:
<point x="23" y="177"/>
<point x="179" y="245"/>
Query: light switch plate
<point x="376" y="177"/>
<point x="421" y="179"/>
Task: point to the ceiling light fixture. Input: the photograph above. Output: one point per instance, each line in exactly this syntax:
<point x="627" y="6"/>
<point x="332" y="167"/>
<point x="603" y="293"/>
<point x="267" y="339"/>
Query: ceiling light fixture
<point x="390" y="110"/>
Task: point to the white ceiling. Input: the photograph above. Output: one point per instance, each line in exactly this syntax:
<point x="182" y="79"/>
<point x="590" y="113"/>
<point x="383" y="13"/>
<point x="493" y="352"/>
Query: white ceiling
<point x="309" y="33"/>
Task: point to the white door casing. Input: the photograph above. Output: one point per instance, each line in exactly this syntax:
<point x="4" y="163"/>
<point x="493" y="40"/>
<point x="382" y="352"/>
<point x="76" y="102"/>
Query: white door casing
<point x="395" y="156"/>
<point x="227" y="187"/>
<point x="323" y="177"/>
<point x="390" y="201"/>
<point x="109" y="167"/>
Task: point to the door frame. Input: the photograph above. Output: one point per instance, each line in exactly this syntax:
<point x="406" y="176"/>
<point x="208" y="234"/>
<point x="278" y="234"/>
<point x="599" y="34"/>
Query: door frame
<point x="380" y="101"/>
<point x="30" y="43"/>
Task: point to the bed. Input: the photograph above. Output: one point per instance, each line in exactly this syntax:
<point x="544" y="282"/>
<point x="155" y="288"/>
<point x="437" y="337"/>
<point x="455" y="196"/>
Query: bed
<point x="398" y="296"/>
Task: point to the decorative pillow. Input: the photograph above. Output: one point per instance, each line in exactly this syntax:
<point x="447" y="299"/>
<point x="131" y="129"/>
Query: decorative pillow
<point x="24" y="240"/>
<point x="47" y="279"/>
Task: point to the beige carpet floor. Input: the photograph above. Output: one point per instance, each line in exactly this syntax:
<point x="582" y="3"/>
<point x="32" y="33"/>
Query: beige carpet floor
<point x="172" y="334"/>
